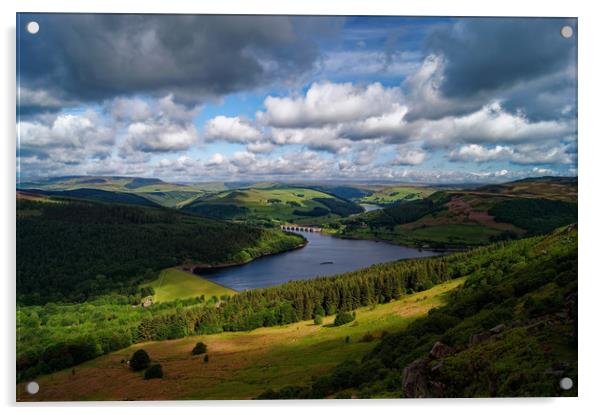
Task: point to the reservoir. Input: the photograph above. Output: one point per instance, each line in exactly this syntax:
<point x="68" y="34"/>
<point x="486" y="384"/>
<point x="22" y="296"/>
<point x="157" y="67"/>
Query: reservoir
<point x="323" y="255"/>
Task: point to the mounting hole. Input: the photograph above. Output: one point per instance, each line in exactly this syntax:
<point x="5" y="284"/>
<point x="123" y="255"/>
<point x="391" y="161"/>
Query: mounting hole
<point x="566" y="32"/>
<point x="566" y="384"/>
<point x="33" y="27"/>
<point x="32" y="388"/>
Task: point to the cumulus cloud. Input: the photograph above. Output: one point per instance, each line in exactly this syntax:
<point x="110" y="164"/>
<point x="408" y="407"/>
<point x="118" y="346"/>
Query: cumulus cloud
<point x="490" y="124"/>
<point x="68" y="137"/>
<point x="410" y="156"/>
<point x="158" y="126"/>
<point x="231" y="129"/>
<point x="481" y="91"/>
<point x="328" y="103"/>
<point x="99" y="56"/>
<point x="480" y="154"/>
<point x="522" y="154"/>
<point x="130" y="109"/>
<point x="160" y="137"/>
<point x="325" y="138"/>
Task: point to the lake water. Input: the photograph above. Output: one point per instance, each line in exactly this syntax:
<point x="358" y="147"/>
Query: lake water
<point x="308" y="262"/>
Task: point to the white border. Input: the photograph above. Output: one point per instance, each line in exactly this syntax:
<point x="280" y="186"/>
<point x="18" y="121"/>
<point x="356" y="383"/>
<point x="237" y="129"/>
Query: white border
<point x="590" y="71"/>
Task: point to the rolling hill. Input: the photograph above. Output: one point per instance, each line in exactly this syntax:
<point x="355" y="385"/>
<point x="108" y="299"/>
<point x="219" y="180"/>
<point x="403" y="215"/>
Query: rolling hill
<point x="132" y="190"/>
<point x="74" y="250"/>
<point x="274" y="205"/>
<point x="500" y="321"/>
<point x="459" y="218"/>
<point x="391" y="195"/>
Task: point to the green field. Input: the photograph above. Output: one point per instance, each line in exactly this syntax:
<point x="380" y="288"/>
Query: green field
<point x="393" y="194"/>
<point x="162" y="193"/>
<point x="274" y="205"/>
<point x="460" y="218"/>
<point x="174" y="284"/>
<point x="242" y="365"/>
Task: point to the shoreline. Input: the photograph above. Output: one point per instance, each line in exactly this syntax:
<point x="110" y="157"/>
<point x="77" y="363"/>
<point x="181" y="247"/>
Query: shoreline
<point x="194" y="266"/>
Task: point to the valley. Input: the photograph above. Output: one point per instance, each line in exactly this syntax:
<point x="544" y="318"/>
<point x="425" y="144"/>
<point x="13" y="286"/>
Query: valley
<point x="121" y="272"/>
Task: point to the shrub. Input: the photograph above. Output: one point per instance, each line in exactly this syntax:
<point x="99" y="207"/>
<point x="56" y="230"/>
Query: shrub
<point x="139" y="360"/>
<point x="154" y="372"/>
<point x="200" y="348"/>
<point x="367" y="338"/>
<point x="343" y="318"/>
<point x="318" y="320"/>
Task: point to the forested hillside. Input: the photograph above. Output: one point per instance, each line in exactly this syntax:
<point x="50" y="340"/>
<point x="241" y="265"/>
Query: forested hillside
<point x="273" y="205"/>
<point x="72" y="251"/>
<point x="460" y="218"/>
<point x="501" y="276"/>
<point x="511" y="330"/>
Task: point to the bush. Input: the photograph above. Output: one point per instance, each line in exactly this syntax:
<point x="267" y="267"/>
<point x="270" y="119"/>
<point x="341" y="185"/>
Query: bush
<point x="318" y="320"/>
<point x="200" y="348"/>
<point x="154" y="372"/>
<point x="343" y="318"/>
<point x="139" y="360"/>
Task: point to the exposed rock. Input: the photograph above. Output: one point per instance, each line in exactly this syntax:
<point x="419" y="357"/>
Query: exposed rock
<point x="438" y="366"/>
<point x="498" y="329"/>
<point x="417" y="381"/>
<point x="479" y="338"/>
<point x="414" y="379"/>
<point x="440" y="350"/>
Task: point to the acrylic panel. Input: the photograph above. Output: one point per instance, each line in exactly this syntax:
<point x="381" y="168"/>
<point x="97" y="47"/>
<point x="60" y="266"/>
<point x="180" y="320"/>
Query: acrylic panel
<point x="238" y="207"/>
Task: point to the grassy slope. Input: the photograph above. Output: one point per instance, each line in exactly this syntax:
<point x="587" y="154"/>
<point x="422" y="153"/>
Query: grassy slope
<point x="272" y="204"/>
<point x="467" y="217"/>
<point x="162" y="193"/>
<point x="512" y="330"/>
<point x="173" y="284"/>
<point x="392" y="194"/>
<point x="241" y="365"/>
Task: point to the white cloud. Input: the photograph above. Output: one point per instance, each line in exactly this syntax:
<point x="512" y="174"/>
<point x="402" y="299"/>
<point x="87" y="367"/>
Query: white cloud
<point x="130" y="109"/>
<point x="490" y="124"/>
<point x="540" y="170"/>
<point x="325" y="138"/>
<point x="260" y="147"/>
<point x="329" y="103"/>
<point x="68" y="137"/>
<point x="231" y="129"/>
<point x="410" y="156"/>
<point x="161" y="126"/>
<point x="480" y="154"/>
<point x="544" y="152"/>
<point x="160" y="137"/>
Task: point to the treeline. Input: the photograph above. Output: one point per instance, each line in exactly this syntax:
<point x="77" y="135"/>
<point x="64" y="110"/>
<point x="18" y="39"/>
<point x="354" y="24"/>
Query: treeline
<point x="339" y="207"/>
<point x="73" y="251"/>
<point x="217" y="210"/>
<point x="536" y="216"/>
<point x="304" y="300"/>
<point x="52" y="334"/>
<point x="401" y="213"/>
<point x="511" y="330"/>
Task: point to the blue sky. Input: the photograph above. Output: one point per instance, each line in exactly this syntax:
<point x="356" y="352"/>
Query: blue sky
<point x="200" y="98"/>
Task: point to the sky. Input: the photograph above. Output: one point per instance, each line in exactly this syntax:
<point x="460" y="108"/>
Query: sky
<point x="190" y="98"/>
